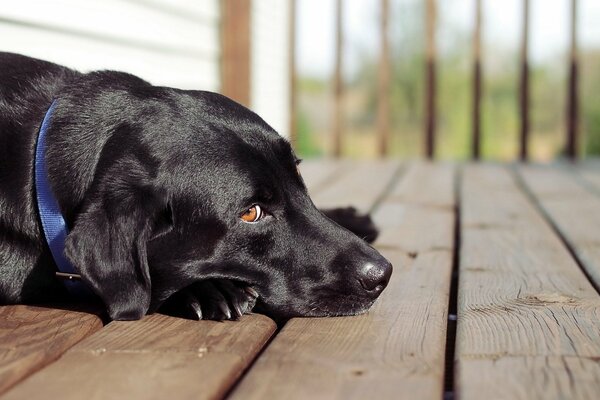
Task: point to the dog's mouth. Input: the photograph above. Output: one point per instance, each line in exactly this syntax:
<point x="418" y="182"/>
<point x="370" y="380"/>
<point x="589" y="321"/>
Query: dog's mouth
<point x="223" y="299"/>
<point x="331" y="304"/>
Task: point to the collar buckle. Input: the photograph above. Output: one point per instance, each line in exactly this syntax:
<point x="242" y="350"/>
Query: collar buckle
<point x="67" y="276"/>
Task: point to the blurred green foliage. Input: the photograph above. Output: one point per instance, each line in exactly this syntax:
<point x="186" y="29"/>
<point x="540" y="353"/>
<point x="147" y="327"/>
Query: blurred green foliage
<point x="500" y="107"/>
<point x="590" y="103"/>
<point x="305" y="140"/>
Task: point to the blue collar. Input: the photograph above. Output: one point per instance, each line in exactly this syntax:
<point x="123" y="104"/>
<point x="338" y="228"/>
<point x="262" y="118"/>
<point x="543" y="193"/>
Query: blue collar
<point x="53" y="223"/>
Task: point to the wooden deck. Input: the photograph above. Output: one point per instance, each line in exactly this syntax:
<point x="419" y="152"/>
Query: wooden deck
<point x="494" y="295"/>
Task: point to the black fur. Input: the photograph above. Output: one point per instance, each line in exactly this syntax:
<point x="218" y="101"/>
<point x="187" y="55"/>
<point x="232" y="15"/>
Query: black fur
<point x="152" y="182"/>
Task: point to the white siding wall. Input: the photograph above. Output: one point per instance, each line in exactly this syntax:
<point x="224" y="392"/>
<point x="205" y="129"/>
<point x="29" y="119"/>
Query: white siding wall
<point x="168" y="42"/>
<point x="270" y="63"/>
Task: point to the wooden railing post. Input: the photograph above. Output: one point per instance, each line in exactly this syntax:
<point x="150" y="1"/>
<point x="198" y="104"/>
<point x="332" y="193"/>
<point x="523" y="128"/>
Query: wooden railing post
<point x="235" y="47"/>
<point x="524" y="87"/>
<point x="293" y="129"/>
<point x="430" y="78"/>
<point x="477" y="83"/>
<point x="337" y="82"/>
<point x="383" y="92"/>
<point x="573" y="100"/>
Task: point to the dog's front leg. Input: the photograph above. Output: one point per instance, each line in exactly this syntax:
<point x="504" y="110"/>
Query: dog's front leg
<point x="360" y="224"/>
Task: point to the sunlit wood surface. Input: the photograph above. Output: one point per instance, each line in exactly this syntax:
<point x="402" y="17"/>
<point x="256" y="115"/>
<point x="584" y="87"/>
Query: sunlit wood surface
<point x="494" y="295"/>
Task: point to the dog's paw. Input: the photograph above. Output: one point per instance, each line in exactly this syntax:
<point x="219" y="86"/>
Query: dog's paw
<point x="360" y="224"/>
<point x="217" y="299"/>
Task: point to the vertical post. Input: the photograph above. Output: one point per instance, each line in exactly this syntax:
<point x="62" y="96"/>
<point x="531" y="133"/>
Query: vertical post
<point x="476" y="151"/>
<point x="572" y="110"/>
<point x="292" y="73"/>
<point x="235" y="48"/>
<point x="524" y="89"/>
<point x="430" y="81"/>
<point x="337" y="82"/>
<point x="383" y="92"/>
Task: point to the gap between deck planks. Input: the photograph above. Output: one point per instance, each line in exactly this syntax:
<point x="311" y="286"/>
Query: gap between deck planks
<point x="528" y="318"/>
<point x="573" y="208"/>
<point x="397" y="349"/>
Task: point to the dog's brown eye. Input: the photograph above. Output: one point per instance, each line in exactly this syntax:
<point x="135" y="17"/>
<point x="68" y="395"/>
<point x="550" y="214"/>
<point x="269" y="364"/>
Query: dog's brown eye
<point x="253" y="214"/>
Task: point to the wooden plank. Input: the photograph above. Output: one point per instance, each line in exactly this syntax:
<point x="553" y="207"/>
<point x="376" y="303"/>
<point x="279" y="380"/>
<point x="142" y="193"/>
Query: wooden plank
<point x="592" y="163"/>
<point x="539" y="377"/>
<point x="590" y="171"/>
<point x="574" y="210"/>
<point x="157" y="357"/>
<point x="523" y="303"/>
<point x="317" y="174"/>
<point x="426" y="184"/>
<point x="394" y="351"/>
<point x="424" y="188"/>
<point x="359" y="185"/>
<point x="32" y="337"/>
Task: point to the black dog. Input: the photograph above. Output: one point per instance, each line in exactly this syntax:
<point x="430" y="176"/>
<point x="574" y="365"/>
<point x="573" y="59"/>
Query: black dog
<point x="174" y="197"/>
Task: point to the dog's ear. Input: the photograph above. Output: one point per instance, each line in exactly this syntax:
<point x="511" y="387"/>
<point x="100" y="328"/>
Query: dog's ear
<point x="108" y="247"/>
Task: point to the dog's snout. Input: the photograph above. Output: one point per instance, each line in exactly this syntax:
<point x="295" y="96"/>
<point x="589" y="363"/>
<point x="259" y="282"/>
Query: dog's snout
<point x="374" y="276"/>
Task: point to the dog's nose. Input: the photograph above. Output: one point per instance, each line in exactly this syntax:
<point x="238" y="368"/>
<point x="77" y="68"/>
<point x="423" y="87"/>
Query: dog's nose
<point x="374" y="277"/>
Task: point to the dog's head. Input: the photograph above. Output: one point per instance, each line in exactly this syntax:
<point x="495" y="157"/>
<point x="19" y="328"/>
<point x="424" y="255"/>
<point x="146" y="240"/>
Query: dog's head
<point x="193" y="186"/>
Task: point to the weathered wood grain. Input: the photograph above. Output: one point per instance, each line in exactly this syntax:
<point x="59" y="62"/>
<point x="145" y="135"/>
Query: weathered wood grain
<point x="574" y="210"/>
<point x="360" y="184"/>
<point x="32" y="337"/>
<point x="532" y="377"/>
<point x="590" y="171"/>
<point x="523" y="302"/>
<point x="158" y="357"/>
<point x="394" y="351"/>
<point x="318" y="174"/>
<point x="425" y="187"/>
